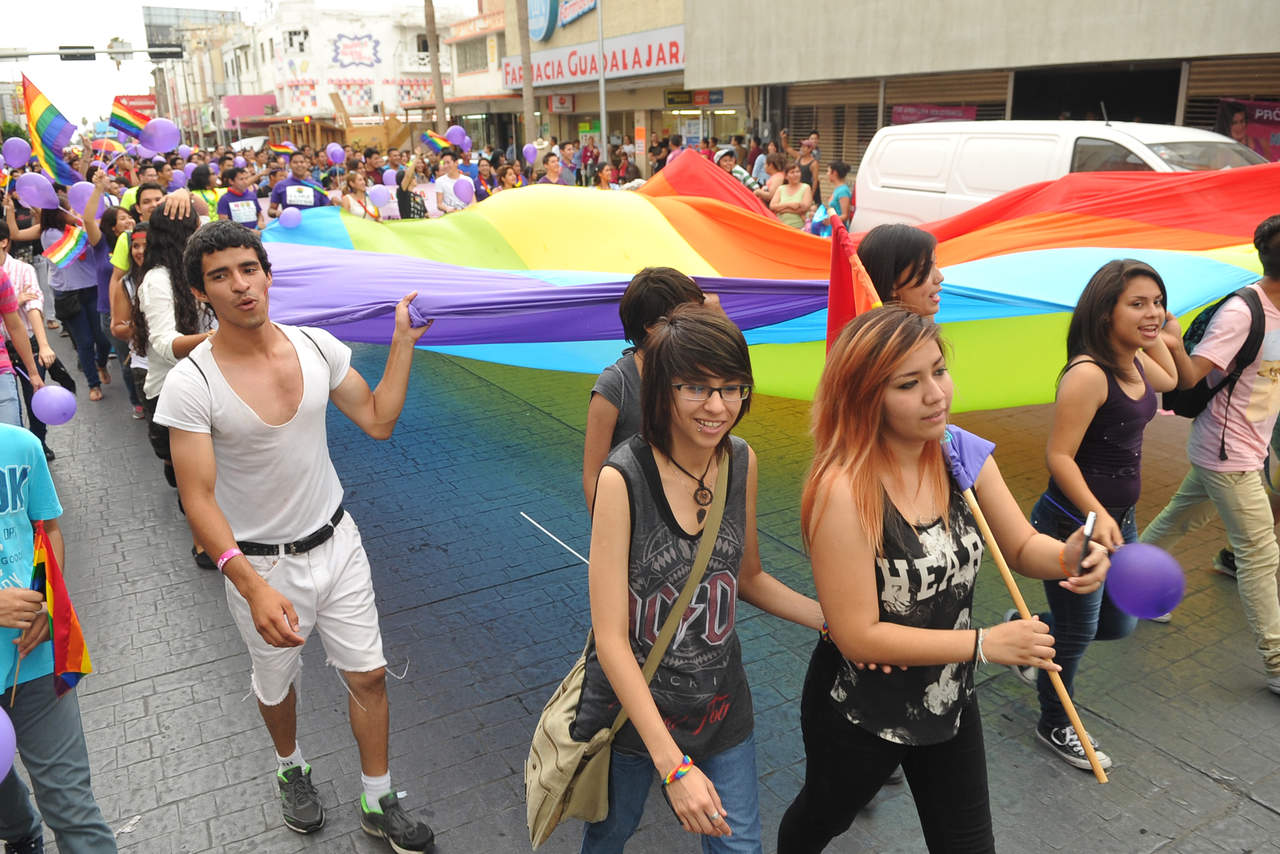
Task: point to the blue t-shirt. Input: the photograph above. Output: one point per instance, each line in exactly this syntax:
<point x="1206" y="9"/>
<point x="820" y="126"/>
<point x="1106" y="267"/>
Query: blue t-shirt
<point x="292" y="193"/>
<point x="27" y="494"/>
<point x="239" y="209"/>
<point x="842" y="191"/>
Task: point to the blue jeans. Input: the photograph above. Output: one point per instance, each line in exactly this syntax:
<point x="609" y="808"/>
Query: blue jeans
<point x="732" y="772"/>
<point x="51" y="744"/>
<point x="85" y="330"/>
<point x="1075" y="620"/>
<point x="121" y="349"/>
<point x="10" y="402"/>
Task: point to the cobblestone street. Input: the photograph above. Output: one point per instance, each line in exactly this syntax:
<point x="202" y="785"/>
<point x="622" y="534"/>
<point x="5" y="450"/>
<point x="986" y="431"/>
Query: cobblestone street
<point x="482" y="614"/>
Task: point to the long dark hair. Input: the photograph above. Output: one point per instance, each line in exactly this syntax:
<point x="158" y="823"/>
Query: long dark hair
<point x="888" y="251"/>
<point x="201" y="178"/>
<point x="166" y="239"/>
<point x="1090" y="331"/>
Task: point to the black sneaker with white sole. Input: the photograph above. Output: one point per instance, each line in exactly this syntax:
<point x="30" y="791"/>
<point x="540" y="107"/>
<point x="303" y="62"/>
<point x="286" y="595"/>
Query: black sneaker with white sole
<point x="299" y="800"/>
<point x="1225" y="562"/>
<point x="1064" y="742"/>
<point x="406" y="834"/>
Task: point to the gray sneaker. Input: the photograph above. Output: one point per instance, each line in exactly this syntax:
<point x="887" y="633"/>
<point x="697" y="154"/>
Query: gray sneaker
<point x="405" y="834"/>
<point x="299" y="800"/>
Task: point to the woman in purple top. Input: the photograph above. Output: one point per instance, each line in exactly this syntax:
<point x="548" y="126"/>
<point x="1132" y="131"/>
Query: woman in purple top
<point x="1116" y="362"/>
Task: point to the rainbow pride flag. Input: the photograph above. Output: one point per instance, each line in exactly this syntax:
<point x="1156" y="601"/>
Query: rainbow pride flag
<point x="50" y="133"/>
<point x="126" y="119"/>
<point x="70" y="655"/>
<point x="436" y="141"/>
<point x="285" y="147"/>
<point x="70" y="246"/>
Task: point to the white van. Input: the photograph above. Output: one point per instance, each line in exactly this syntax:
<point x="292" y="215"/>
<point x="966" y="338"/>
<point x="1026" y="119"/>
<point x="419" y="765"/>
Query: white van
<point x="932" y="170"/>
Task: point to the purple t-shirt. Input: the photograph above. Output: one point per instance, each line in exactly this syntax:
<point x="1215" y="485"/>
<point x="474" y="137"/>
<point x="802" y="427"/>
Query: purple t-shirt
<point x="241" y="209"/>
<point x="292" y="193"/>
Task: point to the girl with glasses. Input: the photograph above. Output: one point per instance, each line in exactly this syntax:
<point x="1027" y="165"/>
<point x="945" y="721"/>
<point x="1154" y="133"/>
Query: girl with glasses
<point x="692" y="725"/>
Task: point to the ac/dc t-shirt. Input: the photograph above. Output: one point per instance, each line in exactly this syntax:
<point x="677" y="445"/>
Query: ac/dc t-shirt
<point x="925" y="578"/>
<point x="700" y="687"/>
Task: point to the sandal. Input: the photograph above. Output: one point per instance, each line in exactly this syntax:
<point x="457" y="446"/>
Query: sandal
<point x="104" y="375"/>
<point x="52" y="324"/>
<point x="95" y="393"/>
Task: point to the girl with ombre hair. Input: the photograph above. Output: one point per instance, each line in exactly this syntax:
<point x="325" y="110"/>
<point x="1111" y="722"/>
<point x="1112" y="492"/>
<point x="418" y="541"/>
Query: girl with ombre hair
<point x="895" y="553"/>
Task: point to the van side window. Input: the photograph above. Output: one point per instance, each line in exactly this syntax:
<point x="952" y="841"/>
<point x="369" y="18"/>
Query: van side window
<point x="1103" y="155"/>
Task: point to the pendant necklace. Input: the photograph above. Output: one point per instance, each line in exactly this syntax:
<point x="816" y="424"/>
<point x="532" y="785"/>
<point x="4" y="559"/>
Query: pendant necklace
<point x="702" y="495"/>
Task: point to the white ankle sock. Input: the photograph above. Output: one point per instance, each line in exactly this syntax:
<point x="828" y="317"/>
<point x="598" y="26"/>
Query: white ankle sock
<point x="375" y="787"/>
<point x="295" y="758"/>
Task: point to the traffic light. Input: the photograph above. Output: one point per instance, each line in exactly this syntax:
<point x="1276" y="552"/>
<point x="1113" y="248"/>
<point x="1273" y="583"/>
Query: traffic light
<point x="158" y="52"/>
<point x="76" y="52"/>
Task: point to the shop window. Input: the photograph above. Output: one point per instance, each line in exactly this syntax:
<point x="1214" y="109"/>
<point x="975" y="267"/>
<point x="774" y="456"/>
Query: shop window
<point x="472" y="55"/>
<point x="296" y="41"/>
<point x="1103" y="155"/>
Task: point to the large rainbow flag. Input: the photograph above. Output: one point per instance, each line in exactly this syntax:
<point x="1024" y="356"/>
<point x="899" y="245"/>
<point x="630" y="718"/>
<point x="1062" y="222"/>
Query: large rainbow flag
<point x="516" y="280"/>
<point x="49" y="132"/>
<point x="70" y="655"/>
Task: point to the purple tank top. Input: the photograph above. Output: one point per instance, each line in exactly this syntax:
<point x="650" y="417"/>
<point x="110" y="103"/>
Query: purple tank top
<point x="1110" y="454"/>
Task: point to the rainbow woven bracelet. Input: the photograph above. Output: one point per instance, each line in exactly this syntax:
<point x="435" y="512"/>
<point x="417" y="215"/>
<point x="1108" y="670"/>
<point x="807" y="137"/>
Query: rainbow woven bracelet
<point x="685" y="766"/>
<point x="825" y="631"/>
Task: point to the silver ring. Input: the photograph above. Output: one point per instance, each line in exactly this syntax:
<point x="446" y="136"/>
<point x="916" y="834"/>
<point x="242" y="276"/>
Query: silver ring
<point x="715" y="816"/>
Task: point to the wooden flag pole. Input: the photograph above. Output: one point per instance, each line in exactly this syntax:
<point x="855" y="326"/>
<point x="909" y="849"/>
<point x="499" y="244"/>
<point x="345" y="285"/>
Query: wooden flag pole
<point x="1021" y="604"/>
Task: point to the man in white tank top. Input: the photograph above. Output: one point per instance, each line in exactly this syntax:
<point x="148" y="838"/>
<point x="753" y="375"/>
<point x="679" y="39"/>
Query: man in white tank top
<point x="246" y="414"/>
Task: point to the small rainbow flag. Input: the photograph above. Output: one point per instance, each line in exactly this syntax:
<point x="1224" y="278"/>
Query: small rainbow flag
<point x="285" y="147"/>
<point x="126" y="119"/>
<point x="70" y="246"/>
<point x="70" y="655"/>
<point x="436" y="141"/>
<point x="50" y="133"/>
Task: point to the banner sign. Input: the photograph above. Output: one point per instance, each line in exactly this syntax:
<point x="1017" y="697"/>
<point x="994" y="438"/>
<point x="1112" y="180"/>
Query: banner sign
<point x="649" y="52"/>
<point x="1252" y="123"/>
<point x="145" y="104"/>
<point x="349" y="51"/>
<point x="560" y="103"/>
<point x="905" y="114"/>
<point x="676" y="98"/>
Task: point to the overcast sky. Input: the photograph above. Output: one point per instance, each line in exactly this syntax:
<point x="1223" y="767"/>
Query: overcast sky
<point x="85" y="89"/>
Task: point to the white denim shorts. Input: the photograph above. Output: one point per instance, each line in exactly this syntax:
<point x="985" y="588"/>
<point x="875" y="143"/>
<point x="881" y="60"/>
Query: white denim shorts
<point x="331" y="589"/>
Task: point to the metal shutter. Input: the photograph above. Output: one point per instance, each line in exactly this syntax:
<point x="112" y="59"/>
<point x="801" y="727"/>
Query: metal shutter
<point x="1210" y="80"/>
<point x="987" y="90"/>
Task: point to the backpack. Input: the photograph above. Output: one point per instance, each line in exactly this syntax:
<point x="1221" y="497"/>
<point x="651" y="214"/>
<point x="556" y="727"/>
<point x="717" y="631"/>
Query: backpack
<point x="1190" y="402"/>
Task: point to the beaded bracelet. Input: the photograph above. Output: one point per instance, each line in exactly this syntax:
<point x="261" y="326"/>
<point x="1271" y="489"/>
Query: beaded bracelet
<point x="824" y="632"/>
<point x="685" y="766"/>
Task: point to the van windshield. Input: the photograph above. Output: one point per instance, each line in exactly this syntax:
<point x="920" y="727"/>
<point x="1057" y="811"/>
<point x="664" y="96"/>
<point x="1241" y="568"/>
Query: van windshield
<point x="1208" y="154"/>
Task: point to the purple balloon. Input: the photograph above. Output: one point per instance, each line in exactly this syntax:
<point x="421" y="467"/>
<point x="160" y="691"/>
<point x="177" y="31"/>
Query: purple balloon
<point x="184" y="151"/>
<point x="530" y="152"/>
<point x="144" y="152"/>
<point x="158" y="160"/>
<point x="290" y="218"/>
<point x="8" y="745"/>
<point x="379" y="195"/>
<point x="78" y="198"/>
<point x="466" y="145"/>
<point x="214" y="168"/>
<point x="336" y="153"/>
<point x="16" y="151"/>
<point x="53" y="405"/>
<point x="35" y="191"/>
<point x="455" y="134"/>
<point x="1144" y="580"/>
<point x="389" y="178"/>
<point x="464" y="191"/>
<point x="131" y="149"/>
<point x="160" y="135"/>
<point x="178" y="181"/>
<point x="239" y="162"/>
<point x="189" y="168"/>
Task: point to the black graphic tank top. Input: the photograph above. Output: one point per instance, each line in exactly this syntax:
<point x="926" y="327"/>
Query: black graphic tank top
<point x="924" y="578"/>
<point x="700" y="687"/>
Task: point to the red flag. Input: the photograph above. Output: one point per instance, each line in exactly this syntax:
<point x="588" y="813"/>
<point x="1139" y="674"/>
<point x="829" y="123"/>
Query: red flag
<point x="851" y="291"/>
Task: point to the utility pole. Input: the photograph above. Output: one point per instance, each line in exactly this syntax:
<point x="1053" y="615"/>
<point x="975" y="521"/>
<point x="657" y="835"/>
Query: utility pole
<point x="437" y="79"/>
<point x="531" y="129"/>
<point x="604" y="109"/>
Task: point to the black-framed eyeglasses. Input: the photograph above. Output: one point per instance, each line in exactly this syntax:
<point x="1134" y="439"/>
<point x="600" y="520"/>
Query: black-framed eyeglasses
<point x="728" y="393"/>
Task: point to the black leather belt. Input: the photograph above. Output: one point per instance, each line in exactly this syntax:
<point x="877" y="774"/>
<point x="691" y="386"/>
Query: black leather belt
<point x="297" y="547"/>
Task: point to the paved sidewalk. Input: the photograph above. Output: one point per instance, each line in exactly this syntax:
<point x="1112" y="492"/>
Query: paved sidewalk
<point x="483" y="613"/>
